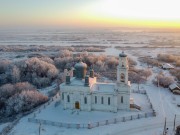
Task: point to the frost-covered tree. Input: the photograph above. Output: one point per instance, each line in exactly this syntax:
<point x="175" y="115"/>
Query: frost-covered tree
<point x="24" y="101"/>
<point x="15" y="74"/>
<point x="47" y="59"/>
<point x="64" y="53"/>
<point x="35" y="69"/>
<point x="6" y="91"/>
<point x="163" y="80"/>
<point x="4" y="65"/>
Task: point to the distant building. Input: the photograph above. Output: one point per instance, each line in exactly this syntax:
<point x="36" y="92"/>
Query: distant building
<point x="167" y="66"/>
<point x="174" y="88"/>
<point x="85" y="93"/>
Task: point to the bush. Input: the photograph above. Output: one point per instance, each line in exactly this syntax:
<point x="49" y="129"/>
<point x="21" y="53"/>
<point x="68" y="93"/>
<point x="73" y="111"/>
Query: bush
<point x="176" y="73"/>
<point x="169" y="58"/>
<point x="164" y="81"/>
<point x="24" y="101"/>
<point x="149" y="61"/>
<point x="18" y="98"/>
<point x="35" y="69"/>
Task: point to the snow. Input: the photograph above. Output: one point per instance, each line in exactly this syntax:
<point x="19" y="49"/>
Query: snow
<point x="163" y="101"/>
<point x="167" y="66"/>
<point x="104" y="87"/>
<point x="46" y="90"/>
<point x="3" y="126"/>
<point x="172" y="86"/>
<point x="57" y="114"/>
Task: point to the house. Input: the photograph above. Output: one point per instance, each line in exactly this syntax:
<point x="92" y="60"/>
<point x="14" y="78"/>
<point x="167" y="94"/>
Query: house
<point x="167" y="66"/>
<point x="84" y="93"/>
<point x="174" y="88"/>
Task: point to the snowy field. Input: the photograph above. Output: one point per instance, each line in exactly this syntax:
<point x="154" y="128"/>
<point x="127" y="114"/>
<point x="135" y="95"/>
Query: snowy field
<point x="163" y="101"/>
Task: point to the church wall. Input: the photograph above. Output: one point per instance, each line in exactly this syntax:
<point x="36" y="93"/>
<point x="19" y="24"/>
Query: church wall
<point x="105" y="106"/>
<point x="76" y="94"/>
<point x="125" y="104"/>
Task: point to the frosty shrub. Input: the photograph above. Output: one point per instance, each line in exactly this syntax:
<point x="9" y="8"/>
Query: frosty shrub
<point x="149" y="61"/>
<point x="15" y="74"/>
<point x="47" y="59"/>
<point x="4" y="65"/>
<point x="61" y="63"/>
<point x="35" y="69"/>
<point x="24" y="101"/>
<point x="163" y="80"/>
<point x="178" y="63"/>
<point x="23" y="86"/>
<point x="6" y="91"/>
<point x="166" y="57"/>
<point x="169" y="58"/>
<point x="19" y="97"/>
<point x="64" y="53"/>
<point x="132" y="62"/>
<point x="176" y="73"/>
<point x="137" y="75"/>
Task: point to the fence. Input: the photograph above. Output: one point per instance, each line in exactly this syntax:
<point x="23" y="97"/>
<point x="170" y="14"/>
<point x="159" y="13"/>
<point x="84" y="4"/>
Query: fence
<point x="38" y="109"/>
<point x="139" y="91"/>
<point x="8" y="128"/>
<point x="92" y="124"/>
<point x="145" y="93"/>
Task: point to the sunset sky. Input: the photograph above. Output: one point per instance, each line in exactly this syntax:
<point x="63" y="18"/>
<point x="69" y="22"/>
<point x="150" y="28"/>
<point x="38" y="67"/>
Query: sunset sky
<point x="91" y="13"/>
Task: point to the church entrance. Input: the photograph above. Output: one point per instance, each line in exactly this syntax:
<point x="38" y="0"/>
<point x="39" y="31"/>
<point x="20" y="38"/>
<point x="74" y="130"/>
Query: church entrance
<point x="77" y="105"/>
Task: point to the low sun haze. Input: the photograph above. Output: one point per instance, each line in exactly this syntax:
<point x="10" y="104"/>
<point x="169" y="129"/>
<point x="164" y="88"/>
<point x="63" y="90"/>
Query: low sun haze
<point x="91" y="13"/>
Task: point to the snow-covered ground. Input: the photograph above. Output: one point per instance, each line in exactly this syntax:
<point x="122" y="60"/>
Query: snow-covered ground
<point x="163" y="101"/>
<point x="3" y="126"/>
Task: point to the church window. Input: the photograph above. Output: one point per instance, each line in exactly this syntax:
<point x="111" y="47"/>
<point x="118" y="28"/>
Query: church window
<point x="121" y="99"/>
<point x="102" y="100"/>
<point x="85" y="100"/>
<point x="122" y="64"/>
<point x="95" y="99"/>
<point x="122" y="77"/>
<point x="109" y="101"/>
<point x="68" y="98"/>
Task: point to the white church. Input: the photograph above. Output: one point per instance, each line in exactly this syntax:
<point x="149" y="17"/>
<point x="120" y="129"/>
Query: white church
<point x="83" y="92"/>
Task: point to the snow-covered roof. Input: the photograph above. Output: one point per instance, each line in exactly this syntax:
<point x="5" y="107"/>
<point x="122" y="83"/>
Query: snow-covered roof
<point x="79" y="82"/>
<point x="103" y="87"/>
<point x="167" y="66"/>
<point x="173" y="86"/>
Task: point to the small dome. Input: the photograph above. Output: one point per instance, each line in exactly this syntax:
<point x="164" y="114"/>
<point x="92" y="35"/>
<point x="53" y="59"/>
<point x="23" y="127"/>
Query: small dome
<point x="122" y="54"/>
<point x="80" y="64"/>
<point x="80" y="70"/>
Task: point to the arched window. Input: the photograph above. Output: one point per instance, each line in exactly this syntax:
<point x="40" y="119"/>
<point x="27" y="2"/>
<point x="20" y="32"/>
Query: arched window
<point x="95" y="100"/>
<point x="122" y="64"/>
<point x="102" y="100"/>
<point x="85" y="100"/>
<point x="62" y="96"/>
<point x="68" y="98"/>
<point x="121" y="99"/>
<point x="122" y="77"/>
<point x="109" y="100"/>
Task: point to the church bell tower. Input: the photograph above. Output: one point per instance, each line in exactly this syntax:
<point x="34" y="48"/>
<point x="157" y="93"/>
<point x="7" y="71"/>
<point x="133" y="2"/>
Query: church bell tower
<point x="122" y="69"/>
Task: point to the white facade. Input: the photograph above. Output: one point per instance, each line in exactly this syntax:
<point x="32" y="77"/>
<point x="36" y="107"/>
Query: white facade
<point x="98" y="96"/>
